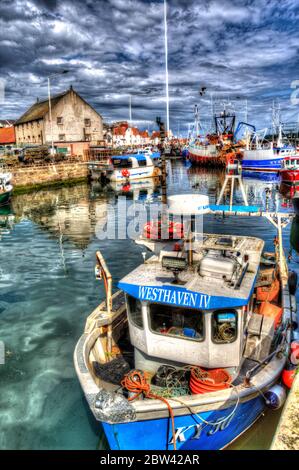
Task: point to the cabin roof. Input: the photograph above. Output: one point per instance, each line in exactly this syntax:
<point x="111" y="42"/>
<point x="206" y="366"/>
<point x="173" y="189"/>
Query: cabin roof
<point x="138" y="156"/>
<point x="151" y="282"/>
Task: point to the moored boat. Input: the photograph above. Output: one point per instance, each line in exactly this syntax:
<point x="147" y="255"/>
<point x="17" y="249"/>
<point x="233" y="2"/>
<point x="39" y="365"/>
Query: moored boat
<point x="134" y="166"/>
<point x="216" y="149"/>
<point x="6" y="188"/>
<point x="266" y="158"/>
<point x="186" y="353"/>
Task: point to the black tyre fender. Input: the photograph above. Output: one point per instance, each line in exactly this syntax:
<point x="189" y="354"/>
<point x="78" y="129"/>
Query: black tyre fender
<point x="293" y="282"/>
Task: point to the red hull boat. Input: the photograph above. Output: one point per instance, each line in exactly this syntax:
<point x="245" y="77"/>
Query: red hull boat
<point x="290" y="170"/>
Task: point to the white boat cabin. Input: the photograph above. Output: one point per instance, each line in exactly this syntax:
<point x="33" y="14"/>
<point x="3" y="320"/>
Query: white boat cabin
<point x="184" y="310"/>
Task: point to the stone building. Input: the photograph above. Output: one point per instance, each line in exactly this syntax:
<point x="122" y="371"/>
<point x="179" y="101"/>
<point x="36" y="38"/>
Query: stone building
<point x="73" y="120"/>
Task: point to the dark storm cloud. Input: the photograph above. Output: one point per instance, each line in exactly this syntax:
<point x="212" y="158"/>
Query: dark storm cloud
<point x="115" y="48"/>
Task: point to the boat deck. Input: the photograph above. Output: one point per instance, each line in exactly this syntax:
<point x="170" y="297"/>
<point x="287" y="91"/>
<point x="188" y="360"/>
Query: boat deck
<point x="151" y="274"/>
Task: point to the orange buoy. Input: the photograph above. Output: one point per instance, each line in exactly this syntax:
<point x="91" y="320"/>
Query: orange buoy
<point x="270" y="310"/>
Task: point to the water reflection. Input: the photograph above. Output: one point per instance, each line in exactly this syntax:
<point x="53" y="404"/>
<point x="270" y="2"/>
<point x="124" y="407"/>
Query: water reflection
<point x="147" y="190"/>
<point x="7" y="219"/>
<point x="47" y="288"/>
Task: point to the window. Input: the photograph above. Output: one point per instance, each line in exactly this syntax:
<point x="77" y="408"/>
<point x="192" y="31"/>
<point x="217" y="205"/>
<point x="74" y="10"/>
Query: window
<point x="178" y="322"/>
<point x="61" y="137"/>
<point x="88" y="137"/>
<point x="59" y="120"/>
<point x="134" y="311"/>
<point x="121" y="163"/>
<point x="224" y="326"/>
<point x="142" y="162"/>
<point x="87" y="122"/>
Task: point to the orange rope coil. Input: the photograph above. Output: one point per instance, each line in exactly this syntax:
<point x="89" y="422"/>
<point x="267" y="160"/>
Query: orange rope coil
<point x="136" y="383"/>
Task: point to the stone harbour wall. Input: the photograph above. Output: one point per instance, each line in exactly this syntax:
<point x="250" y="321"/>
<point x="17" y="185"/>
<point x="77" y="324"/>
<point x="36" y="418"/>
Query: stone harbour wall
<point x="46" y="175"/>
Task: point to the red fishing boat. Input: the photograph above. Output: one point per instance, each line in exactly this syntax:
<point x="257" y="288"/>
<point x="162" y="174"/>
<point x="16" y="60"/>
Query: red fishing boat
<point x="290" y="170"/>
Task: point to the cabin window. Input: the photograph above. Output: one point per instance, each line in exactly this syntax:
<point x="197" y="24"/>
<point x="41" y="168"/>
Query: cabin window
<point x="178" y="322"/>
<point x="224" y="326"/>
<point x="135" y="311"/>
<point x="121" y="163"/>
<point x="142" y="162"/>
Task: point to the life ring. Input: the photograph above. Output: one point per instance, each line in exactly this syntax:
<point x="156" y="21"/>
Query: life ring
<point x="125" y="173"/>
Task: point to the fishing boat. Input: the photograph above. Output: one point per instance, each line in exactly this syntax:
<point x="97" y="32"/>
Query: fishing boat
<point x="289" y="172"/>
<point x="214" y="149"/>
<point x="266" y="157"/>
<point x="188" y="352"/>
<point x="204" y="152"/>
<point x="5" y="188"/>
<point x="134" y="166"/>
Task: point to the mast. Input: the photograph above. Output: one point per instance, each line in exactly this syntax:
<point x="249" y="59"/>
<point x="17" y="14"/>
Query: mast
<point x="196" y="120"/>
<point x="130" y="110"/>
<point x="166" y="66"/>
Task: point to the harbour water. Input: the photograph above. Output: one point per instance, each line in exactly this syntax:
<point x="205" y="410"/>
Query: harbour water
<point x="47" y="289"/>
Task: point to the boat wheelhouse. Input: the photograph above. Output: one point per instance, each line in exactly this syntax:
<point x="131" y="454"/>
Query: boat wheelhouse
<point x="187" y="353"/>
<point x="134" y="166"/>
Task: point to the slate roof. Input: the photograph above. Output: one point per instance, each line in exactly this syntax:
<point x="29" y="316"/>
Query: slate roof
<point x="39" y="109"/>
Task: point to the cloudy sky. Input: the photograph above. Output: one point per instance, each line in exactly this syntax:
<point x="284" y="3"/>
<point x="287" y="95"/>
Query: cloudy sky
<point x="237" y="49"/>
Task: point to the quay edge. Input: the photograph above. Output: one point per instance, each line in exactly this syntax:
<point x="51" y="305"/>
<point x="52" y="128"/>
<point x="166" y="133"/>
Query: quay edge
<point x="38" y="177"/>
<point x="287" y="433"/>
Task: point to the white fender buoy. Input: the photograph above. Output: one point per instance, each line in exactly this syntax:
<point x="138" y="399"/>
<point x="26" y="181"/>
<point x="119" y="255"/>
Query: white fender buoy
<point x="275" y="397"/>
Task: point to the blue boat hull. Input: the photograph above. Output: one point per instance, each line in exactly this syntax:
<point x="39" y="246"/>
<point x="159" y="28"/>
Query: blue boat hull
<point x="191" y="432"/>
<point x="262" y="165"/>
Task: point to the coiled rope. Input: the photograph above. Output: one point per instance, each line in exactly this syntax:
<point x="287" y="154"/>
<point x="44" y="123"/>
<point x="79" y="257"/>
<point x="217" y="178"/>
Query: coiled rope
<point x="136" y="383"/>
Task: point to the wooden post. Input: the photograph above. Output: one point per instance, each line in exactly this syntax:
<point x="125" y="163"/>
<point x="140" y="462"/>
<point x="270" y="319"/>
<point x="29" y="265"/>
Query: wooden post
<point x="104" y="274"/>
